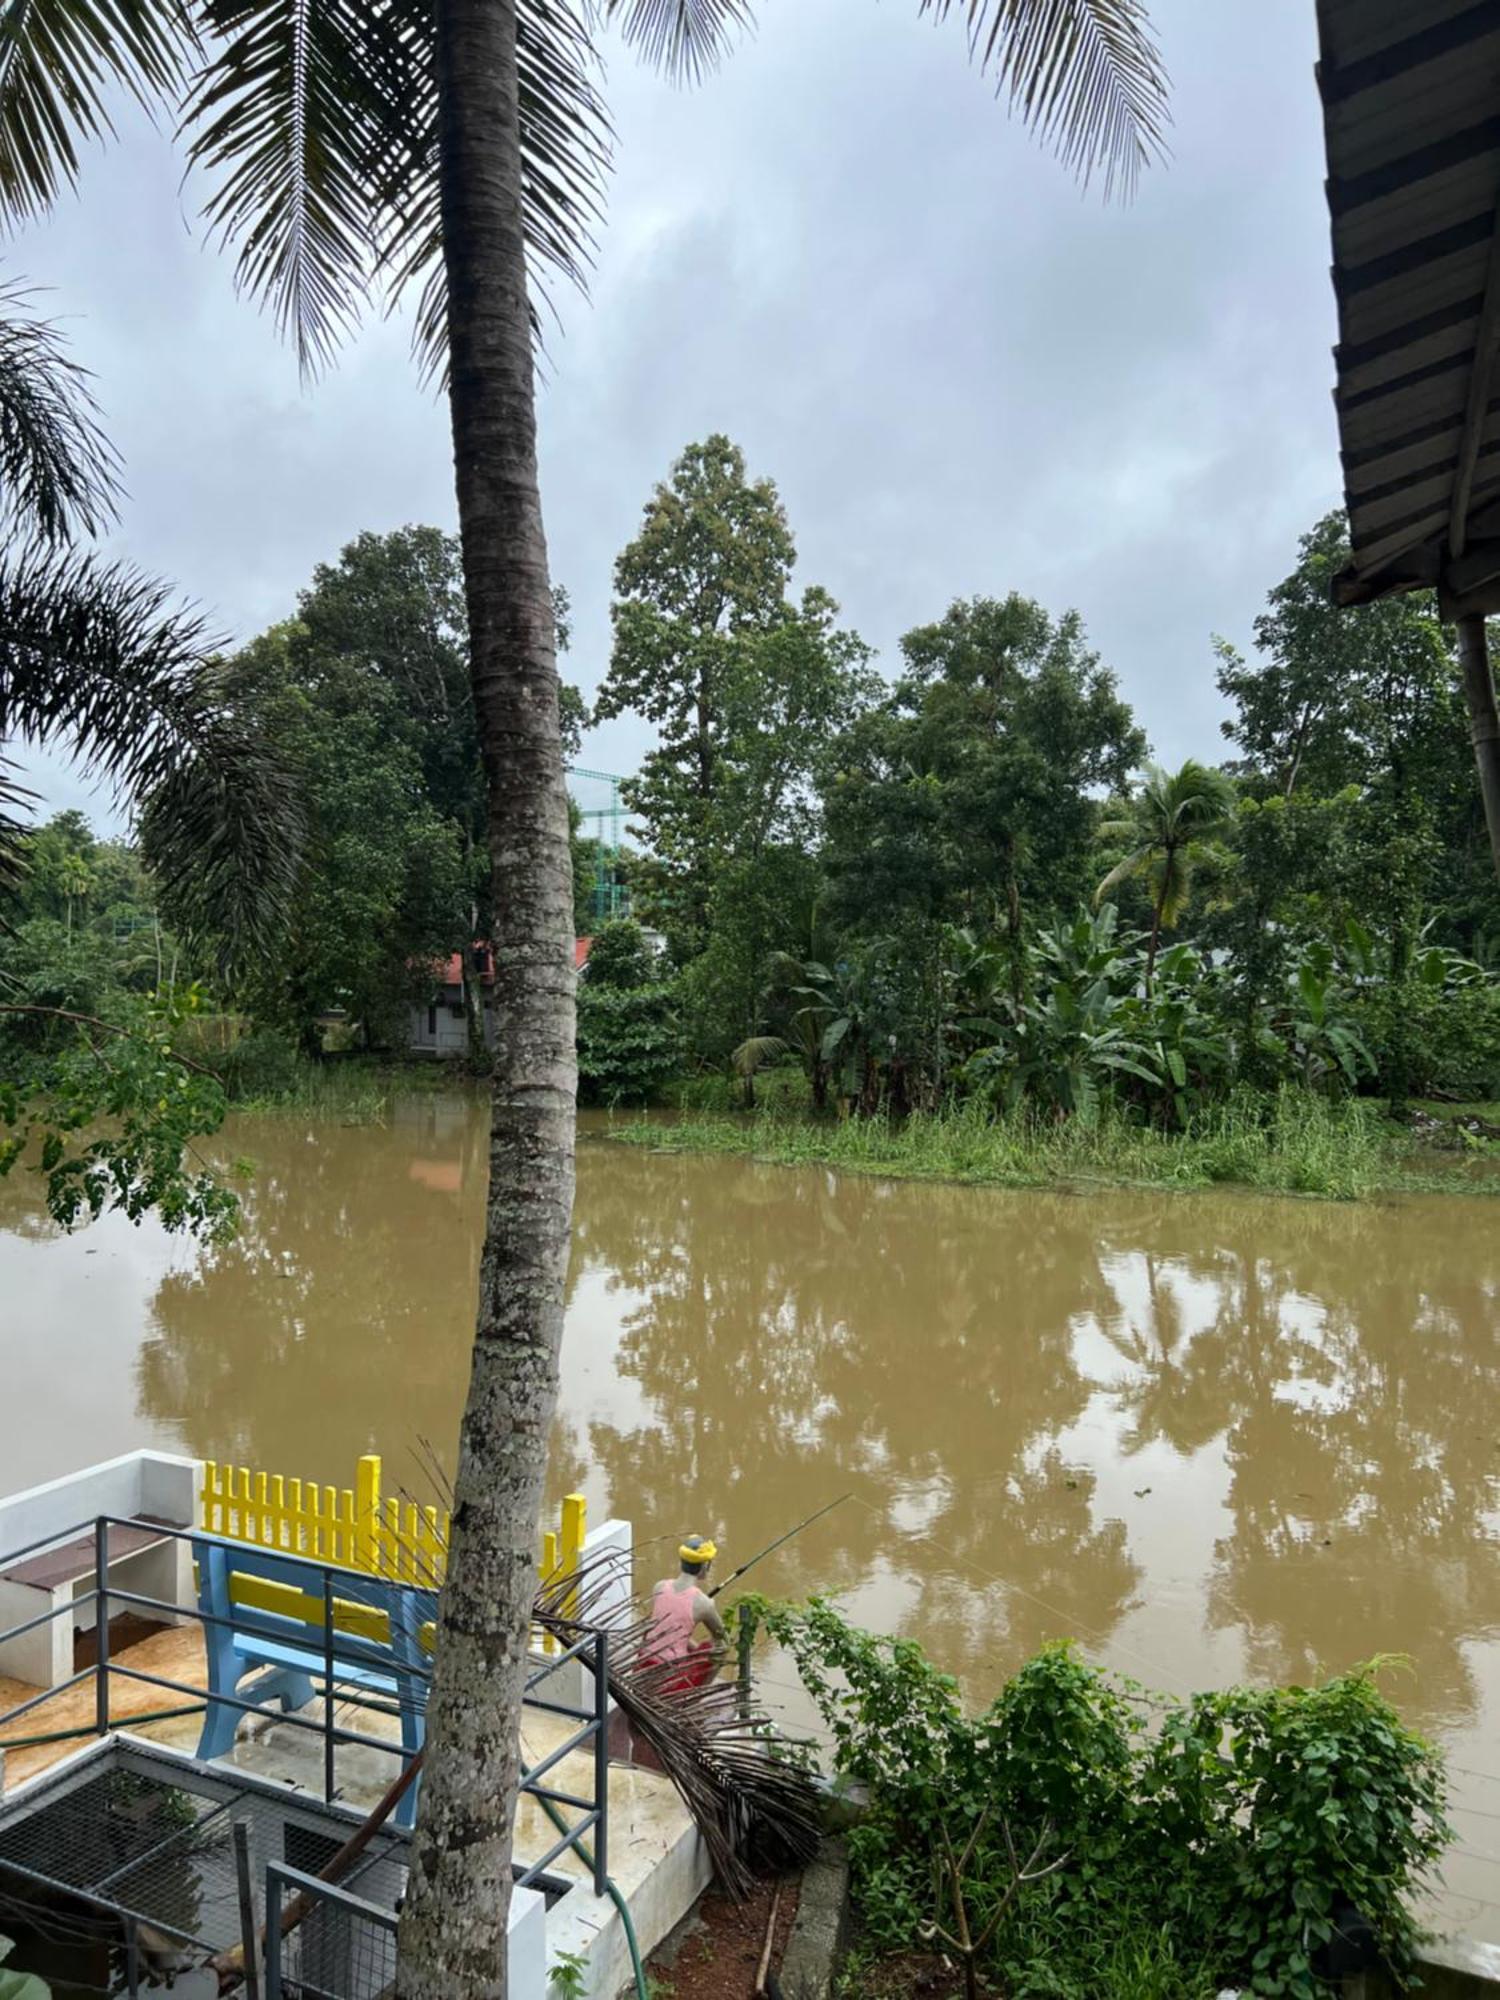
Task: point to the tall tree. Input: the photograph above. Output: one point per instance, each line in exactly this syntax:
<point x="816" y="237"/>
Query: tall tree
<point x="966" y="797"/>
<point x="443" y="144"/>
<point x="1370" y="699"/>
<point x="705" y="578"/>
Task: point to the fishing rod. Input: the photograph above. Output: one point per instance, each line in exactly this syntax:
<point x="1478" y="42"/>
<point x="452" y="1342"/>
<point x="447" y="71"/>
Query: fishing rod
<point x="771" y="1547"/>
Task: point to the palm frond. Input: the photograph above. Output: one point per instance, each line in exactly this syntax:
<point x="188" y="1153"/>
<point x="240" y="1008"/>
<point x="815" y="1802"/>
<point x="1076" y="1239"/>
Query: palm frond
<point x="15" y="799"/>
<point x="57" y="469"/>
<point x="756" y="1052"/>
<point x="683" y="38"/>
<point x="61" y="61"/>
<point x="755" y="1806"/>
<point x="1085" y="75"/>
<point x="295" y="106"/>
<point x="97" y="656"/>
<point x="1121" y="873"/>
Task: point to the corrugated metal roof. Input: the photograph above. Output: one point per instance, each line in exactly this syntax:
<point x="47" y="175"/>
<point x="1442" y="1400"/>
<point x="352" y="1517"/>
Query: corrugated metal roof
<point x="1411" y="107"/>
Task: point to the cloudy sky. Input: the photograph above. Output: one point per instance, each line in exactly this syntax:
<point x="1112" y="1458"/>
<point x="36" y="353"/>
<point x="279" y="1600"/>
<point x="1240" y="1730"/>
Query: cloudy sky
<point x="965" y="375"/>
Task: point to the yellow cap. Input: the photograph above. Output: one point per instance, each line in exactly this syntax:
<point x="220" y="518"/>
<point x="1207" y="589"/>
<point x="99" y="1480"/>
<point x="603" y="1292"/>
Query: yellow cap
<point x="696" y="1550"/>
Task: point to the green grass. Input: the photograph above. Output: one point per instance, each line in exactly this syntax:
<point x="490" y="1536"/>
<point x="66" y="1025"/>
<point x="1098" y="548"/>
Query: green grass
<point x="349" y="1090"/>
<point x="1292" y="1143"/>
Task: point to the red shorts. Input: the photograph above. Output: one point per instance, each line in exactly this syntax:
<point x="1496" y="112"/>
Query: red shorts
<point x="697" y="1668"/>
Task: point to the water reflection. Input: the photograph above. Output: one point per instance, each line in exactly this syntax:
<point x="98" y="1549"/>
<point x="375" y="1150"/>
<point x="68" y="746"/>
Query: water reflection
<point x="1213" y="1435"/>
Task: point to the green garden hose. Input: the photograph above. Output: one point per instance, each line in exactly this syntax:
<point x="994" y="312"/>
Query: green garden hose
<point x="611" y="1889"/>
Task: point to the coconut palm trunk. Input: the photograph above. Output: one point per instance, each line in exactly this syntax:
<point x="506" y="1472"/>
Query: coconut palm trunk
<point x="453" y="1927"/>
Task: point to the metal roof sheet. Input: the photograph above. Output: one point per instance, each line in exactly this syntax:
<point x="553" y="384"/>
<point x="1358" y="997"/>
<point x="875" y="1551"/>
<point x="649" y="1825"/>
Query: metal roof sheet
<point x="1411" y="100"/>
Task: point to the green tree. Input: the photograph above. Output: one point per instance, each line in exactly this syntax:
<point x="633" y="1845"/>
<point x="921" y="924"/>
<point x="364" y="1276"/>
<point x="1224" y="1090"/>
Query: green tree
<point x="447" y="145"/>
<point x="966" y="798"/>
<point x="1165" y="827"/>
<point x="629" y="1044"/>
<point x="743" y="685"/>
<point x="382" y="891"/>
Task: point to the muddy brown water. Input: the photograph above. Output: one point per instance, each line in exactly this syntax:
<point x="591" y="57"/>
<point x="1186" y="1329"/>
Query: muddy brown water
<point x="1212" y="1436"/>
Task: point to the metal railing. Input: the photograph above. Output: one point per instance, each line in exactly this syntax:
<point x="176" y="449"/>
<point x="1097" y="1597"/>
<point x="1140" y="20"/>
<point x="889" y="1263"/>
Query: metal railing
<point x="336" y="1587"/>
<point x="343" y="1945"/>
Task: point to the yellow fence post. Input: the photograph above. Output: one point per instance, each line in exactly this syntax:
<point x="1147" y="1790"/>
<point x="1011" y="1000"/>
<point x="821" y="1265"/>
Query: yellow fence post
<point x="549" y="1570"/>
<point x="367" y="1512"/>
<point x="575" y="1522"/>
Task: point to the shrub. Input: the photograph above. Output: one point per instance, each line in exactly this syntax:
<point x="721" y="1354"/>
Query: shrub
<point x="264" y="1063"/>
<point x="629" y="1042"/>
<point x="1223" y="1846"/>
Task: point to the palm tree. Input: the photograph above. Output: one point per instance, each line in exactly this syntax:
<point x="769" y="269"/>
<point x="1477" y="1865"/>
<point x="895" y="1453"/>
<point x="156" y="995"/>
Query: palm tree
<point x="1164" y="828"/>
<point x="95" y="654"/>
<point x="445" y="143"/>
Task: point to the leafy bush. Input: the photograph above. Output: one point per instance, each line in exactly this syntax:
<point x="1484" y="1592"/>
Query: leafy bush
<point x="629" y="1042"/>
<point x="1447" y="1035"/>
<point x="264" y="1063"/>
<point x="620" y="956"/>
<point x="1223" y="1846"/>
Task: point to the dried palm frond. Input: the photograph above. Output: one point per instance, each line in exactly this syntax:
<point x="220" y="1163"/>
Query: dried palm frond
<point x="753" y="1802"/>
<point x="755" y="1805"/>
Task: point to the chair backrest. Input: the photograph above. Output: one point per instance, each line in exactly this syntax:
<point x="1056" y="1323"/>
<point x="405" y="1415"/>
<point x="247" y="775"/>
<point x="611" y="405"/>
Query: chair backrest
<point x="282" y="1597"/>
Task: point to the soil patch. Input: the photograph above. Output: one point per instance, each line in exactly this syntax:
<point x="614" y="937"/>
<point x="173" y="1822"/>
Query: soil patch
<point x="714" y="1956"/>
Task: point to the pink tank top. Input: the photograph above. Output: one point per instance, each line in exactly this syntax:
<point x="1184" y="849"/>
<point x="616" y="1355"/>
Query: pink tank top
<point x="674" y="1613"/>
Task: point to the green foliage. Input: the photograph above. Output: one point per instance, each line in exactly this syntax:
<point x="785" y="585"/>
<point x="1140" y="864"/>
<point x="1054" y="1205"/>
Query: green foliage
<point x="1286" y="1142"/>
<point x="966" y="796"/>
<point x="621" y="956"/>
<point x="629" y="1042"/>
<point x="383" y="889"/>
<point x="1230" y="1838"/>
<point x="567" y="1977"/>
<point x="744" y="687"/>
<point x="262" y="1064"/>
<point x="20" y="1985"/>
<point x="1164" y="829"/>
<point x="107" y="1115"/>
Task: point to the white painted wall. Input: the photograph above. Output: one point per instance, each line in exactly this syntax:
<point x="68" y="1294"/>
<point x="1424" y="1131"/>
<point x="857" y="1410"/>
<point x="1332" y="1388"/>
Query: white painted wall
<point x="572" y="1682"/>
<point x="140" y="1482"/>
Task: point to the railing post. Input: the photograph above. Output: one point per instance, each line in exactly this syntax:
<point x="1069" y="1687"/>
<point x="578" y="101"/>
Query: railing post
<point x="101" y="1625"/>
<point x="274" y="1939"/>
<point x="601" y="1761"/>
<point x="575" y="1519"/>
<point x="328" y="1686"/>
<point x="367" y="1512"/>
<point x="249" y="1943"/>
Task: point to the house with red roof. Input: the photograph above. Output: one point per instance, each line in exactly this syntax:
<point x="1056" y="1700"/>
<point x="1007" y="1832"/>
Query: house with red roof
<point x="439" y="1026"/>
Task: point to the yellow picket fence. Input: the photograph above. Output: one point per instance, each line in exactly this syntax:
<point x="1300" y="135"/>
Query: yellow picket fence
<point x="354" y="1526"/>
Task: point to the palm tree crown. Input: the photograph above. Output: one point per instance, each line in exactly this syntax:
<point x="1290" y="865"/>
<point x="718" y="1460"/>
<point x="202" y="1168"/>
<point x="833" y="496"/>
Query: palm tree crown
<point x="1164" y="826"/>
<point x="319" y="121"/>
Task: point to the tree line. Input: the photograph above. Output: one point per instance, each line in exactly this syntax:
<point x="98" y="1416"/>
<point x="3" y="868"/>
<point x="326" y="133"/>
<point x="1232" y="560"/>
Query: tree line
<point x="967" y="878"/>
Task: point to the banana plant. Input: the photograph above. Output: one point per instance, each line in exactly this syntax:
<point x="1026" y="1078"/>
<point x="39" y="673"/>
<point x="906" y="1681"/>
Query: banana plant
<point x="1329" y="1050"/>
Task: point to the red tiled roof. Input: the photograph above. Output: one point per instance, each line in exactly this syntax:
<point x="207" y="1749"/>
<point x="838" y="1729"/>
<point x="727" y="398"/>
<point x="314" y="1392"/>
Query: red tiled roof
<point x="451" y="970"/>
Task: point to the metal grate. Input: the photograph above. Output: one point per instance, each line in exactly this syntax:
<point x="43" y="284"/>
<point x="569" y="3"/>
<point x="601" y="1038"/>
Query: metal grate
<point x="82" y="1837"/>
<point x="150" y="1836"/>
<point x="337" y="1953"/>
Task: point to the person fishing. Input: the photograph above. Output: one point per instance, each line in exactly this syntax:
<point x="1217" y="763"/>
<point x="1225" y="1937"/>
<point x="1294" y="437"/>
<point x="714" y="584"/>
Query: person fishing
<point x="679" y="1605"/>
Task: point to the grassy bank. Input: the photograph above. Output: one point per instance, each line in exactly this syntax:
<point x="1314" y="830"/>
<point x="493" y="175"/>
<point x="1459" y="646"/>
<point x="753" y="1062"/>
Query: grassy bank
<point x="347" y="1090"/>
<point x="1289" y="1144"/>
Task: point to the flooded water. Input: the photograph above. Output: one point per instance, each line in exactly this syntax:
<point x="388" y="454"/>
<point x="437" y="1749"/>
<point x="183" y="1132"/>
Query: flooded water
<point x="1213" y="1437"/>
